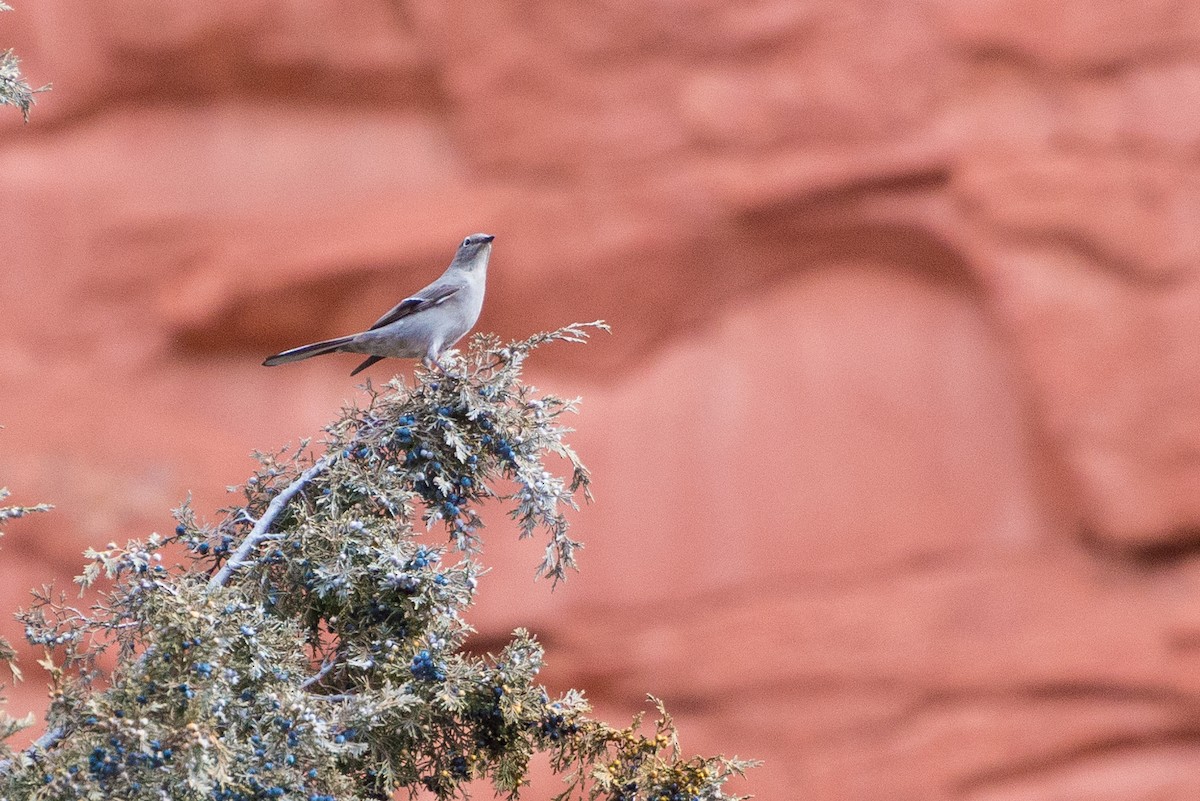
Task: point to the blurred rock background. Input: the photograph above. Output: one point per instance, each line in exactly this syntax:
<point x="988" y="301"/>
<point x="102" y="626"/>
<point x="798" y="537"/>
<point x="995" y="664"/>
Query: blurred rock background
<point x="896" y="440"/>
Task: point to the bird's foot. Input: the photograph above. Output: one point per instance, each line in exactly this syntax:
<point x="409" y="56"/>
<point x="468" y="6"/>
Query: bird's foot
<point x="432" y="364"/>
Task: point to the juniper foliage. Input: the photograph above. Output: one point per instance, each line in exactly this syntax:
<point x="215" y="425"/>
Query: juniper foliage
<point x="14" y="89"/>
<point x="9" y="725"/>
<point x="312" y="646"/>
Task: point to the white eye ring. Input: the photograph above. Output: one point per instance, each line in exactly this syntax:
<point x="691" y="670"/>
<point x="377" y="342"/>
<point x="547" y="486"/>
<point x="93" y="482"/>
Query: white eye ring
<point x="466" y="241"/>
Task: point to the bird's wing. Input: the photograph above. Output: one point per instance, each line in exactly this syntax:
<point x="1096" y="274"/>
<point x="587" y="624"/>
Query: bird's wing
<point x="432" y="295"/>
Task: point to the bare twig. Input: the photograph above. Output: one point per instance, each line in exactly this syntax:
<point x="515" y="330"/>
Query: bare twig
<point x="47" y="740"/>
<point x="263" y="527"/>
<point x="320" y="674"/>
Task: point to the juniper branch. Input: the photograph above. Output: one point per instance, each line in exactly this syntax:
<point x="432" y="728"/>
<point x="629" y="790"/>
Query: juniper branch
<point x="262" y="528"/>
<point x="329" y="665"/>
<point x="14" y="89"/>
<point x="43" y="743"/>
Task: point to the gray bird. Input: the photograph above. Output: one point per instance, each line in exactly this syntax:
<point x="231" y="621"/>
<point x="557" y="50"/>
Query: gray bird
<point x="422" y="326"/>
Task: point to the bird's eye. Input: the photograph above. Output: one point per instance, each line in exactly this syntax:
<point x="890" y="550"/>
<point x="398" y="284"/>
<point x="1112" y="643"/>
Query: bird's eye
<point x="466" y="241"/>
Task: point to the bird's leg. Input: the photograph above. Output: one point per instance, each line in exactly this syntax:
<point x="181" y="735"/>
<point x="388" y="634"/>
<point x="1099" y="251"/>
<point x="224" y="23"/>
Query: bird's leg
<point x="431" y="361"/>
<point x="436" y="361"/>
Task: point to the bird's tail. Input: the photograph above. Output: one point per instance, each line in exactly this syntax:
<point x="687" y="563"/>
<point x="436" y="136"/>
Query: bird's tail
<point x="307" y="351"/>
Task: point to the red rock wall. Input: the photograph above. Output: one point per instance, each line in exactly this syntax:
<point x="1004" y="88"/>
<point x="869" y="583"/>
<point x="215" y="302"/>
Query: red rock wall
<point x="897" y="439"/>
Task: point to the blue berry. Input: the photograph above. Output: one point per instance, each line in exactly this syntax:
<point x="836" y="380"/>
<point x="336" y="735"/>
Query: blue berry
<point x="423" y="668"/>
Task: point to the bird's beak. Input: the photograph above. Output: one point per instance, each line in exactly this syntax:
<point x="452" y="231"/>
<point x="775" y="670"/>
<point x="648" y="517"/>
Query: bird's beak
<point x="488" y="238"/>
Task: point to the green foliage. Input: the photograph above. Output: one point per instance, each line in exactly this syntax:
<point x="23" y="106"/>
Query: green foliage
<point x="312" y="646"/>
<point x="9" y="725"/>
<point x="14" y="89"/>
<point x="13" y="512"/>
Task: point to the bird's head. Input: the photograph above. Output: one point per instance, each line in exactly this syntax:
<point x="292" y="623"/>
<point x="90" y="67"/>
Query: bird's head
<point x="474" y="251"/>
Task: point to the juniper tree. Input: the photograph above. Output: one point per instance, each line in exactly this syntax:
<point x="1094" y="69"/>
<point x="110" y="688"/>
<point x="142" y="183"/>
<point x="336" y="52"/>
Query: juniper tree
<point x="14" y="89"/>
<point x="310" y="644"/>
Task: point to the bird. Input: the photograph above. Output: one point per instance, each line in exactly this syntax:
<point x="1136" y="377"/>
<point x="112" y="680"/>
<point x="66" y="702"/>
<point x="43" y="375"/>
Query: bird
<point x="422" y="326"/>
